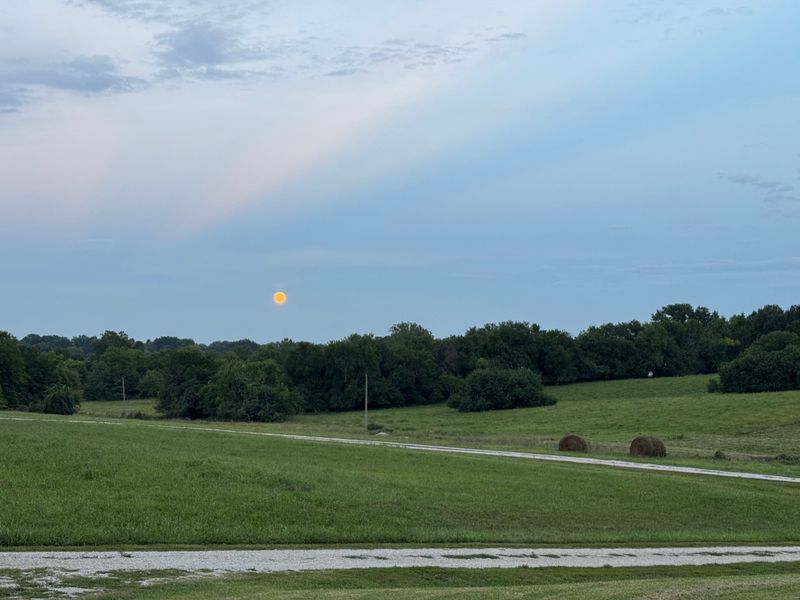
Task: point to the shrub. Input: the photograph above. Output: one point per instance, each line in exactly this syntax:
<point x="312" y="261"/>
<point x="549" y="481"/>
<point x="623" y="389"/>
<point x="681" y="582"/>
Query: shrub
<point x="61" y="399"/>
<point x="646" y="445"/>
<point x="573" y="443"/>
<point x="771" y="364"/>
<point x="495" y="388"/>
<point x="249" y="391"/>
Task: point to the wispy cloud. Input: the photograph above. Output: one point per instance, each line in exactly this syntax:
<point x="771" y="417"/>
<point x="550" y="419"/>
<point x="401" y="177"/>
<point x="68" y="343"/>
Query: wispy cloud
<point x="20" y="78"/>
<point x="777" y="194"/>
<point x="790" y="264"/>
<point x="327" y="257"/>
<point x="178" y="11"/>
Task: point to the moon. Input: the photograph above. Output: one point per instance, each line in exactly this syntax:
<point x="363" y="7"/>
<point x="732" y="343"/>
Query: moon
<point x="279" y="297"/>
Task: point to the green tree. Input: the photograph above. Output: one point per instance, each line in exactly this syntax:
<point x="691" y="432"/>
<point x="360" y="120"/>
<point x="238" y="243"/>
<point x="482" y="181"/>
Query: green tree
<point x="12" y="371"/>
<point x="609" y="351"/>
<point x="106" y="370"/>
<point x="113" y="339"/>
<point x="409" y="366"/>
<point x="64" y="396"/>
<point x="772" y="363"/>
<point x="250" y="391"/>
<point x="495" y="388"/>
<point x="185" y="373"/>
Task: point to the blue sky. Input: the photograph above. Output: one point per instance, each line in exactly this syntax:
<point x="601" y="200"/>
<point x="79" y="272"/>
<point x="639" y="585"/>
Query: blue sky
<point x="166" y="166"/>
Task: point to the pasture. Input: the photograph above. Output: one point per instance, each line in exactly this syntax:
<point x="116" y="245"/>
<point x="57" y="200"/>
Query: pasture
<point x="749" y="432"/>
<point x="135" y="483"/>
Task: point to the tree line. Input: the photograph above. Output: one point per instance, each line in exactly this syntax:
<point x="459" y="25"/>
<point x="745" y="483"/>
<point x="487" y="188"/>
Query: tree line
<point x="494" y="366"/>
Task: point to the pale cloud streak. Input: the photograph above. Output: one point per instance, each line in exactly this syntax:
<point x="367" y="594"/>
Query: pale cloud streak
<point x="231" y="105"/>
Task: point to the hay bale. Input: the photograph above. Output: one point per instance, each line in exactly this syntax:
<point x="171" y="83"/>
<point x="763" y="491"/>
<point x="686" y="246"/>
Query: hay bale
<point x="573" y="443"/>
<point x="647" y="445"/>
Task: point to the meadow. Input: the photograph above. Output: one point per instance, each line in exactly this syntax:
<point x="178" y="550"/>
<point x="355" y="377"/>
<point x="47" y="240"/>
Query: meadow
<point x="752" y="432"/>
<point x="732" y="582"/>
<point x="67" y="482"/>
<point x="101" y="479"/>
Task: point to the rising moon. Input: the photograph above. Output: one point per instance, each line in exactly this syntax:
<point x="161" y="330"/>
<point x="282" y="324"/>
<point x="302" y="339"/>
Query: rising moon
<point x="279" y="297"/>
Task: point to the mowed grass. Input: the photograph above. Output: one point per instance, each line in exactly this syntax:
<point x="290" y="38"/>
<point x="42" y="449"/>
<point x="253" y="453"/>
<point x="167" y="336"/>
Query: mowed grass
<point x="743" y="581"/>
<point x="758" y="432"/>
<point x="64" y="483"/>
<point x="121" y="409"/>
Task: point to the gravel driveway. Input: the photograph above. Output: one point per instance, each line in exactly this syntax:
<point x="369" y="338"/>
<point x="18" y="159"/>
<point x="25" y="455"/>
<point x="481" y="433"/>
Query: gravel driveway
<point x="266" y="561"/>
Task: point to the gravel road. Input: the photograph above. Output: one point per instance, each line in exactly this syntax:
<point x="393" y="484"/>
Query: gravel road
<point x="265" y="561"/>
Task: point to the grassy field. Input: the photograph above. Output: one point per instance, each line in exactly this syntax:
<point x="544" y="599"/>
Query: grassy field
<point x="71" y="483"/>
<point x="733" y="582"/>
<point x="757" y="432"/>
<point x="121" y="410"/>
<point x="145" y="483"/>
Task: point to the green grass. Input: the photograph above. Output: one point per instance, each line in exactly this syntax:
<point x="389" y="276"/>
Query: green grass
<point x="746" y="581"/>
<point x="120" y="409"/>
<point x="65" y="483"/>
<point x="751" y="432"/>
<point x="749" y="429"/>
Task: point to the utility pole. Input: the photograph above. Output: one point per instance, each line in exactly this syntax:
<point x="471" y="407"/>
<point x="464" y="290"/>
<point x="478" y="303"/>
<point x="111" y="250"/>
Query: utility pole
<point x="123" y="389"/>
<point x="366" y="396"/>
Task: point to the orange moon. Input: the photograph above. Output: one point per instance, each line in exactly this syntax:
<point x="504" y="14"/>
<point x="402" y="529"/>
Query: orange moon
<point x="279" y="297"/>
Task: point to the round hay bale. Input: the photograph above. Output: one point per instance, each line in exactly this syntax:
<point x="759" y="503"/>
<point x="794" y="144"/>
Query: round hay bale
<point x="573" y="443"/>
<point x="647" y="445"/>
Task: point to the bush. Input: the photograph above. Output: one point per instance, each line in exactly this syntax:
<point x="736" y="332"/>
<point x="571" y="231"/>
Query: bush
<point x="646" y="445"/>
<point x="494" y="388"/>
<point x="250" y="391"/>
<point x="185" y="373"/>
<point x="573" y="443"/>
<point x="61" y="399"/>
<point x="771" y="364"/>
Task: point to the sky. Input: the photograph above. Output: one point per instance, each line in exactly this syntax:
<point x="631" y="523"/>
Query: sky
<point x="166" y="166"/>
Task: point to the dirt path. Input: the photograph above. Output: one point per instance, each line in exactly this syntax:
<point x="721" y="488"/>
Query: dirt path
<point x="265" y="561"/>
<point x="620" y="464"/>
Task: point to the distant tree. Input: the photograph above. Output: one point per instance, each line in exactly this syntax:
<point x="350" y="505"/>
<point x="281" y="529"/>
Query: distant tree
<point x="49" y="343"/>
<point x="239" y="348"/>
<point x="64" y="396"/>
<point x="112" y="339"/>
<point x="307" y="369"/>
<point x="508" y="344"/>
<point x="495" y="388"/>
<point x="347" y="361"/>
<point x="277" y="351"/>
<point x="150" y="383"/>
<point x="409" y="366"/>
<point x="84" y="345"/>
<point x="12" y="371"/>
<point x="185" y="373"/>
<point x="250" y="391"/>
<point x="40" y="374"/>
<point x="609" y="351"/>
<point x="106" y="370"/>
<point x="558" y="357"/>
<point x="167" y="342"/>
<point x="772" y="363"/>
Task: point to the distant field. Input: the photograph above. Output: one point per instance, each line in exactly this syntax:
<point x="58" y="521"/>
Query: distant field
<point x="751" y="430"/>
<point x="120" y="409"/>
<point x="71" y="483"/>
